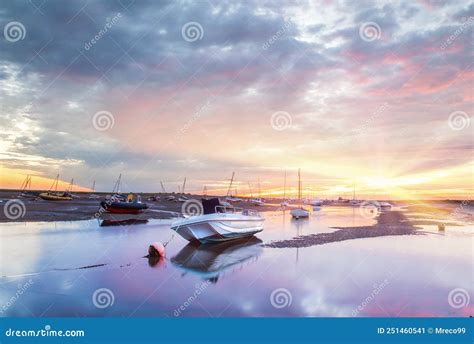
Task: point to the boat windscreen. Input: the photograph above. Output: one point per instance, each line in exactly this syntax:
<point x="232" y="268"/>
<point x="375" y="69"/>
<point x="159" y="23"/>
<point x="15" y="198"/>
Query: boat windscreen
<point x="209" y="205"/>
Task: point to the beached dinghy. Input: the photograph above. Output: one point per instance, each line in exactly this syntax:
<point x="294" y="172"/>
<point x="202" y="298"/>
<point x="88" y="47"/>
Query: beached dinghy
<point x="218" y="223"/>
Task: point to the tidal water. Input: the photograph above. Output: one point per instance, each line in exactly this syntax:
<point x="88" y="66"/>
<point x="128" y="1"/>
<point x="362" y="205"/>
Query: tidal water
<point x="80" y="269"/>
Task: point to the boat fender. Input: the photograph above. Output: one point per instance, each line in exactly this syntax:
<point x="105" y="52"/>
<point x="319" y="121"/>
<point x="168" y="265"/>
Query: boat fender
<point x="157" y="249"/>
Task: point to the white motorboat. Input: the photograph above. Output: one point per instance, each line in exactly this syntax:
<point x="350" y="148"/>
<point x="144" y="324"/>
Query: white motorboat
<point x="219" y="223"/>
<point x="316" y="202"/>
<point x="299" y="212"/>
<point x="257" y="201"/>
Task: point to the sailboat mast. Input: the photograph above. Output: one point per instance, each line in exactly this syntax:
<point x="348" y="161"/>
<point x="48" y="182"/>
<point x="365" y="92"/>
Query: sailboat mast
<point x="162" y="186"/>
<point x="117" y="184"/>
<point x="250" y="189"/>
<point x="55" y="184"/>
<point x="284" y="187"/>
<point x="184" y="184"/>
<point x="230" y="185"/>
<point x="299" y="187"/>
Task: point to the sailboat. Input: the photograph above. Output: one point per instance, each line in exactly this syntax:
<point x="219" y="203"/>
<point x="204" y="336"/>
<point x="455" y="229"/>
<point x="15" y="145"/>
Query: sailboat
<point x="354" y="202"/>
<point x="284" y="203"/>
<point x="229" y="197"/>
<point x="182" y="197"/>
<point x="121" y="204"/>
<point x="257" y="201"/>
<point x="299" y="212"/>
<point x="93" y="195"/>
<point x="26" y="189"/>
<point x="51" y="195"/>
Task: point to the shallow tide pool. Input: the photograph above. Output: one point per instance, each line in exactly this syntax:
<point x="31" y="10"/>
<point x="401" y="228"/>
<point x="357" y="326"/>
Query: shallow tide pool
<point x="82" y="269"/>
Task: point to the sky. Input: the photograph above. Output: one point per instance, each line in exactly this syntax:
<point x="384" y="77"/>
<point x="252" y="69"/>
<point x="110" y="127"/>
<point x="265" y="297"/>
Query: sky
<point x="366" y="95"/>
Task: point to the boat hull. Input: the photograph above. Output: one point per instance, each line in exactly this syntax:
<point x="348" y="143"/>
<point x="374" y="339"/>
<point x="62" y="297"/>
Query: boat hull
<point x="299" y="213"/>
<point x="123" y="207"/>
<point x="51" y="197"/>
<point x="210" y="228"/>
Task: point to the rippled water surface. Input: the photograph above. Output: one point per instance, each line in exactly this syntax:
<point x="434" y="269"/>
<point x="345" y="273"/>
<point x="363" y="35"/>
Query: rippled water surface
<point x="82" y="269"/>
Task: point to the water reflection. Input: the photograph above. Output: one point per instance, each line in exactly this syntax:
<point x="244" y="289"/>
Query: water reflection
<point x="211" y="261"/>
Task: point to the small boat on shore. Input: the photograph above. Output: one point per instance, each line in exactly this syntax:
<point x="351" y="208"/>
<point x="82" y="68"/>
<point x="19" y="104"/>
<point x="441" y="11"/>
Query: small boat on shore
<point x="385" y="205"/>
<point x="219" y="223"/>
<point x="93" y="195"/>
<point x="299" y="212"/>
<point x="26" y="189"/>
<point x="131" y="205"/>
<point x="257" y="202"/>
<point x="55" y="195"/>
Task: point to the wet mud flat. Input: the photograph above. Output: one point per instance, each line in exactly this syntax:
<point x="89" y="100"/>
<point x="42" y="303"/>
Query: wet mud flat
<point x="389" y="223"/>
